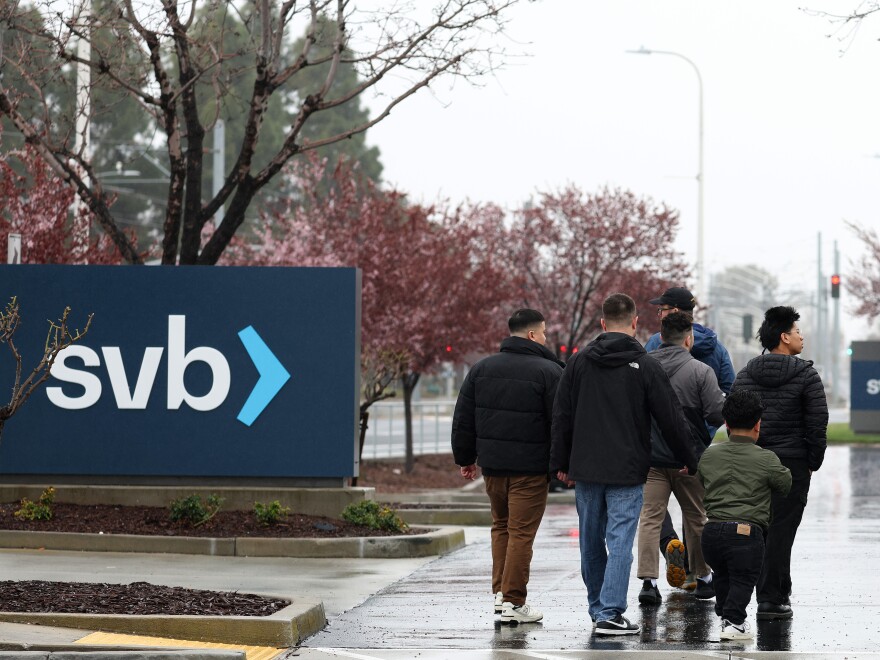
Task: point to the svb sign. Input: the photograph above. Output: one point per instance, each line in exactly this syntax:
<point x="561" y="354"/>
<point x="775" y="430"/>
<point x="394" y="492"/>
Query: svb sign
<point x="203" y="372"/>
<point x="865" y="387"/>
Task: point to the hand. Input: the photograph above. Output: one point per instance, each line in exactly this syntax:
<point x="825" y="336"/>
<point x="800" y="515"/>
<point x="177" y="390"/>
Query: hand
<point x="563" y="477"/>
<point x="469" y="471"/>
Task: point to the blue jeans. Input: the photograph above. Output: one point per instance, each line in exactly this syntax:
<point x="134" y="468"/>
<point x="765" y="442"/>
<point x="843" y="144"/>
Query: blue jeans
<point x="607" y="515"/>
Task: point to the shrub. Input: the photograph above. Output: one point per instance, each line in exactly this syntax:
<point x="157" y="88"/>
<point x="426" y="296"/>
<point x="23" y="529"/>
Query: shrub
<point x="371" y="514"/>
<point x="194" y="510"/>
<point x="39" y="510"/>
<point x="269" y="514"/>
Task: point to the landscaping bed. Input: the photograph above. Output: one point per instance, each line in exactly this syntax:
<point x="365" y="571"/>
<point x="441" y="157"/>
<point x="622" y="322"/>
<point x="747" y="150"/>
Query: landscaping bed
<point x="137" y="598"/>
<point x="155" y="521"/>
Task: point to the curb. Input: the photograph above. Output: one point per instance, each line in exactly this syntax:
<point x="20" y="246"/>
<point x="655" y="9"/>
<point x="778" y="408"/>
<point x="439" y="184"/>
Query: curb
<point x="451" y="516"/>
<point x="287" y="627"/>
<point x="435" y="542"/>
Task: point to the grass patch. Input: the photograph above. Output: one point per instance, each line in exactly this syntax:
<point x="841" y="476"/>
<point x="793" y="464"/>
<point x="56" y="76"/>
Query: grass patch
<point x="841" y="433"/>
<point x="838" y="434"/>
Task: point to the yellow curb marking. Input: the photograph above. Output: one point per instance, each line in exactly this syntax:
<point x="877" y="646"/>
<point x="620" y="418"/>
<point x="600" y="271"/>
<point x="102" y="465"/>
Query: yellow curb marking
<point x="117" y="639"/>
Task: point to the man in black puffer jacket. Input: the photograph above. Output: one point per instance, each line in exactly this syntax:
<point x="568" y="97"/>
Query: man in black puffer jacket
<point x="502" y="419"/>
<point x="793" y="427"/>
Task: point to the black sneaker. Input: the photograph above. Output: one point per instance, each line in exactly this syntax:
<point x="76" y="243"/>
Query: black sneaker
<point x="704" y="591"/>
<point x="619" y="625"/>
<point x="650" y="594"/>
<point x="774" y="611"/>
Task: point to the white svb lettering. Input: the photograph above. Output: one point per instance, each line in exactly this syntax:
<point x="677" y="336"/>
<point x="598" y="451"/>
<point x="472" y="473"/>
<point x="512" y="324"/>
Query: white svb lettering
<point x="874" y="386"/>
<point x="178" y="361"/>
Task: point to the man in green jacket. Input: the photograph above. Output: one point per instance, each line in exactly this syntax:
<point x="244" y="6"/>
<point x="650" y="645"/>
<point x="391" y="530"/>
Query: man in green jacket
<point x="738" y="477"/>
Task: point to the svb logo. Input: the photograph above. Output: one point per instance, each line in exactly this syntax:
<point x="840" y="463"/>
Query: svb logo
<point x="273" y="375"/>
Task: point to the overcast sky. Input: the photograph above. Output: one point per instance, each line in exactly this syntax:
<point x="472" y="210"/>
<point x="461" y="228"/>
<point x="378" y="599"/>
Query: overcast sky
<point x="791" y="140"/>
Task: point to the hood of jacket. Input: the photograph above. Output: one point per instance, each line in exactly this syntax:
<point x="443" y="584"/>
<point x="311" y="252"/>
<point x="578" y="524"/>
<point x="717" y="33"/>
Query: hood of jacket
<point x="527" y="347"/>
<point x="614" y="349"/>
<point x="705" y="341"/>
<point x="774" y="370"/>
<point x="672" y="358"/>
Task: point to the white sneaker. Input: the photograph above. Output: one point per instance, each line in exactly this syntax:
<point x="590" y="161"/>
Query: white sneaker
<point x="499" y="601"/>
<point x="520" y="613"/>
<point x="732" y="631"/>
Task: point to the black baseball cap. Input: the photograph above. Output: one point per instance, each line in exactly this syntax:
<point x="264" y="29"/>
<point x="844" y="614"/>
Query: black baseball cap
<point x="678" y="297"/>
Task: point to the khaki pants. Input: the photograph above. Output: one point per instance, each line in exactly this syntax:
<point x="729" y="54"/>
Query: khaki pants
<point x="518" y="505"/>
<point x="689" y="493"/>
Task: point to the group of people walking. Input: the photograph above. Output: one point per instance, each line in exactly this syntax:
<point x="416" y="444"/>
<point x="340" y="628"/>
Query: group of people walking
<point x="627" y="427"/>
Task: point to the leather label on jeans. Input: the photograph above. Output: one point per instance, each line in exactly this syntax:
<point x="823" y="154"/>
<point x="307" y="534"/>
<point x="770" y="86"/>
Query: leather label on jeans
<point x="745" y="530"/>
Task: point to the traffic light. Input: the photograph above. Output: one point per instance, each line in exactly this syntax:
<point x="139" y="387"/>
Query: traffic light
<point x="747" y="328"/>
<point x="835" y="286"/>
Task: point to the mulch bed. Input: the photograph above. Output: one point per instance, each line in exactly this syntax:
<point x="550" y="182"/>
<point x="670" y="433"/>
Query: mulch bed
<point x="134" y="598"/>
<point x="155" y="521"/>
<point x="431" y="471"/>
<point x="388" y="476"/>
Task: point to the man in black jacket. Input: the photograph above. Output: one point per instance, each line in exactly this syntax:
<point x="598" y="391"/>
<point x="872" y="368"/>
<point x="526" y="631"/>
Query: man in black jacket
<point x="793" y="427"/>
<point x="502" y="419"/>
<point x="602" y="441"/>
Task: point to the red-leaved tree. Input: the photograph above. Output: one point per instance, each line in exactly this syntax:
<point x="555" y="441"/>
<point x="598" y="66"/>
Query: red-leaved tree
<point x="575" y="249"/>
<point x="864" y="282"/>
<point x="35" y="203"/>
<point x="433" y="281"/>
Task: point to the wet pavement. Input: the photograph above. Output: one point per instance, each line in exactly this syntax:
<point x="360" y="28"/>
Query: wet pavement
<point x="444" y="608"/>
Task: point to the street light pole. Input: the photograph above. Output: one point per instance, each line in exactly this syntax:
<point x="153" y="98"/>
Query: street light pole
<point x="702" y="293"/>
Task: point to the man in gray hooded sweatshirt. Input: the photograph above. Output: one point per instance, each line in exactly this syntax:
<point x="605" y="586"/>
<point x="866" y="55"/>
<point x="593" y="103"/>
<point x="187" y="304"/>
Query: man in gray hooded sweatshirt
<point x="698" y="393"/>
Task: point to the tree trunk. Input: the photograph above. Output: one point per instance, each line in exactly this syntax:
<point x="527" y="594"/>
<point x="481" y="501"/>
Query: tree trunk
<point x="409" y="385"/>
<point x="365" y="417"/>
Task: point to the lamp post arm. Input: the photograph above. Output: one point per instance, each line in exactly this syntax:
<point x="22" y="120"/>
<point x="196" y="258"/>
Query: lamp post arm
<point x="701" y="269"/>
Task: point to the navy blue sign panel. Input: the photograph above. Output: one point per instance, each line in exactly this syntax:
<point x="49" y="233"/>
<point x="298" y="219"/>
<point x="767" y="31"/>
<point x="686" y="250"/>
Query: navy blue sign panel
<point x="865" y="386"/>
<point x="187" y="371"/>
<point x="864" y="416"/>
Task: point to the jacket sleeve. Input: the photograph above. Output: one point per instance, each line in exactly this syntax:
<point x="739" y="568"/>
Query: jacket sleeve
<point x="464" y="432"/>
<point x="741" y="382"/>
<point x="726" y="374"/>
<point x="778" y="475"/>
<point x="815" y="408"/>
<point x="550" y="388"/>
<point x="712" y="398"/>
<point x="666" y="410"/>
<point x="561" y="428"/>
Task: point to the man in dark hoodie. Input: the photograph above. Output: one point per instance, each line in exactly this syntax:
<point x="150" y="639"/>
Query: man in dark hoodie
<point x="708" y="350"/>
<point x="793" y="426"/>
<point x="502" y="419"/>
<point x="701" y="399"/>
<point x="602" y="441"/>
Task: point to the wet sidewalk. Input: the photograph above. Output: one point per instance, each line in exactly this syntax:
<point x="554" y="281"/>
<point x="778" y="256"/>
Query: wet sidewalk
<point x="444" y="608"/>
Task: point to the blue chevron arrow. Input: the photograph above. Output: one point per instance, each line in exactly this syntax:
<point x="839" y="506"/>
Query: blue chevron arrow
<point x="273" y="375"/>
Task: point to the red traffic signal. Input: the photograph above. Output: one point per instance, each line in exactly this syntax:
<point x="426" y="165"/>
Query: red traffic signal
<point x="448" y="348"/>
<point x="835" y="286"/>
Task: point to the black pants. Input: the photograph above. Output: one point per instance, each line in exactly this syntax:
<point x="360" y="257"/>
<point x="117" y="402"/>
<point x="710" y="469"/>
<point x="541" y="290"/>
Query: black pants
<point x="736" y="561"/>
<point x="667" y="533"/>
<point x="774" y="586"/>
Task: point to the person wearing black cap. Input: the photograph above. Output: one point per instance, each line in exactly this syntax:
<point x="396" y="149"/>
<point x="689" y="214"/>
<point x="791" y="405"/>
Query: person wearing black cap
<point x="708" y="350"/>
